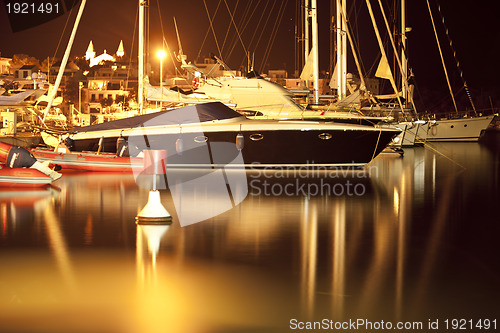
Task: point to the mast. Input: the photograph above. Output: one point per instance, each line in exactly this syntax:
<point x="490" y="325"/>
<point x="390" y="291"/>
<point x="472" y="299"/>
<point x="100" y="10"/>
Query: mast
<point x="65" y="59"/>
<point x="442" y="59"/>
<point x="306" y="41"/>
<point x="381" y="46"/>
<point x="341" y="50"/>
<point x="306" y="30"/>
<point x="140" y="77"/>
<point x="404" y="64"/>
<point x="314" y="23"/>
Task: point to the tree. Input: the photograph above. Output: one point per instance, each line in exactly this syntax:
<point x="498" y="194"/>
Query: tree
<point x="70" y="92"/>
<point x="47" y="63"/>
<point x="24" y="59"/>
<point x="105" y="102"/>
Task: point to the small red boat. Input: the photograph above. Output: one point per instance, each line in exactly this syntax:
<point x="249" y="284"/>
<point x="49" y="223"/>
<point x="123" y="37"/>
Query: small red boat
<point x="80" y="160"/>
<point x="88" y="161"/>
<point x="22" y="177"/>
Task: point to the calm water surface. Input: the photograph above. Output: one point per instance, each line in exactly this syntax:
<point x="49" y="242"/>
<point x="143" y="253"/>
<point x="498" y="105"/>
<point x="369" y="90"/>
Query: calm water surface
<point x="411" y="239"/>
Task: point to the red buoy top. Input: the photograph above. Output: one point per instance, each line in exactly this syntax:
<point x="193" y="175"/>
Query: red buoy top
<point x="155" y="162"/>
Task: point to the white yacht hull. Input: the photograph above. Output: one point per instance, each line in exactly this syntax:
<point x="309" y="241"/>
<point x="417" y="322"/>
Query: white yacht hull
<point x="462" y="129"/>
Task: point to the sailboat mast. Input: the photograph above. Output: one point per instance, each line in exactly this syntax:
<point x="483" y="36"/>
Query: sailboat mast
<point x="314" y="23"/>
<point x="384" y="56"/>
<point x="306" y="30"/>
<point x="64" y="60"/>
<point x="140" y="77"/>
<point x="404" y="64"/>
<point x="442" y="59"/>
<point x="341" y="51"/>
<point x="306" y="42"/>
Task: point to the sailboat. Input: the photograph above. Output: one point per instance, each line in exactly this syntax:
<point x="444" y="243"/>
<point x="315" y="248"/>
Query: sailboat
<point x="456" y="127"/>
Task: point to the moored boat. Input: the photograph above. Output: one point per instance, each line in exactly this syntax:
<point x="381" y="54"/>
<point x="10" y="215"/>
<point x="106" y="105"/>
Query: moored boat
<point x="458" y="129"/>
<point x="213" y="135"/>
<point x="22" y="177"/>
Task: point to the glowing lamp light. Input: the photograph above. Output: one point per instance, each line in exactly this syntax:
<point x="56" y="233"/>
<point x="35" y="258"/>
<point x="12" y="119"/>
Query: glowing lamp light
<point x="161" y="54"/>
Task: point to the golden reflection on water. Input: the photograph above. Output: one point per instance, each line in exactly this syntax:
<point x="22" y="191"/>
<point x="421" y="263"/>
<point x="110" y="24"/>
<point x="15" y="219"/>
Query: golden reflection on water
<point x="74" y="260"/>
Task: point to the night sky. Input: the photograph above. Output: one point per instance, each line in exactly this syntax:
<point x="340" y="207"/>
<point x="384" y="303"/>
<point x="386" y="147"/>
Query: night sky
<point x="267" y="28"/>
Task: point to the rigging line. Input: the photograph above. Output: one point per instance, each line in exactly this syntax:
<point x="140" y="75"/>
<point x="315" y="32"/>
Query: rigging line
<point x="232" y="44"/>
<point x="382" y="50"/>
<point x="129" y="67"/>
<point x="208" y="31"/>
<point x="263" y="29"/>
<point x="235" y="27"/>
<point x="246" y="19"/>
<point x="356" y="42"/>
<point x="270" y="40"/>
<point x="456" y="59"/>
<point x="396" y="54"/>
<point x="442" y="59"/>
<point x="353" y="50"/>
<point x="161" y="20"/>
<point x="258" y="25"/>
<point x="274" y="33"/>
<point x="164" y="40"/>
<point x="229" y="27"/>
<point x="212" y="27"/>
<point x="62" y="34"/>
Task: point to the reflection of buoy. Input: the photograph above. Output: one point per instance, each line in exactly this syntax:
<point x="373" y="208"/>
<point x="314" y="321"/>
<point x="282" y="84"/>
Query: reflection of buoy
<point x="154" y="234"/>
<point x="154" y="212"/>
<point x="240" y="141"/>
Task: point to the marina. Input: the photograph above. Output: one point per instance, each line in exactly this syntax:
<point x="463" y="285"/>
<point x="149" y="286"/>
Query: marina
<point x="298" y="166"/>
<point x="410" y="239"/>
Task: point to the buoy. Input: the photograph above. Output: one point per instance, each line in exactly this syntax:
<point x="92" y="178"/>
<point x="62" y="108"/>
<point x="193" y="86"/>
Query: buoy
<point x="154" y="212"/>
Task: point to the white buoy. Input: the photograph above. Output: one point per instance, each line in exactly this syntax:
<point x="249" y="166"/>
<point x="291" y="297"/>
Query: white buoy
<point x="154" y="212"/>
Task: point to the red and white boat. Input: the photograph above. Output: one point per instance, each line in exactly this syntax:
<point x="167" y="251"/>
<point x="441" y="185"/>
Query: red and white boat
<point x="22" y="177"/>
<point x="83" y="161"/>
<point x="88" y="161"/>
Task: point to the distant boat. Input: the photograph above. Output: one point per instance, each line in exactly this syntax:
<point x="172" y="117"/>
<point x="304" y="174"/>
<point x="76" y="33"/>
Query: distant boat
<point x="459" y="129"/>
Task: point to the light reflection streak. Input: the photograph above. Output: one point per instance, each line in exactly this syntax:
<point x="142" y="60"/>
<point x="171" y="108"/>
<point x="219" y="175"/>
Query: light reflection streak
<point x="59" y="247"/>
<point x="339" y="257"/>
<point x="432" y="251"/>
<point x="404" y="210"/>
<point x="308" y="247"/>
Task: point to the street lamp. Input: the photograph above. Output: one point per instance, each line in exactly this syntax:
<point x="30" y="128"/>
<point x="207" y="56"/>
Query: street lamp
<point x="160" y="55"/>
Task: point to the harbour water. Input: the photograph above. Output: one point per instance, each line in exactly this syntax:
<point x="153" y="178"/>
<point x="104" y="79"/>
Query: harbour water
<point x="409" y="243"/>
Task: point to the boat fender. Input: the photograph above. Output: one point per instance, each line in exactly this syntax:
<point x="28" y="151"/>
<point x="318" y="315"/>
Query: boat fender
<point x="240" y="141"/>
<point x="179" y="146"/>
<point x="20" y="157"/>
<point x="122" y="147"/>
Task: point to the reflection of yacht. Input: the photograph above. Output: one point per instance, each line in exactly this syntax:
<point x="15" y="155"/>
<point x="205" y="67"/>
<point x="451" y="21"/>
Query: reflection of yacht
<point x="213" y="134"/>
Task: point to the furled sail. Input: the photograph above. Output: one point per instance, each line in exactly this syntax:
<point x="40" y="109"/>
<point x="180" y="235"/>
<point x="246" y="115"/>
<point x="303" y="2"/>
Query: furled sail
<point x="307" y="72"/>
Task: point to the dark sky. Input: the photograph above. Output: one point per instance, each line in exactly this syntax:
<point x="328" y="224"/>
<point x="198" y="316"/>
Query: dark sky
<point x="472" y="26"/>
